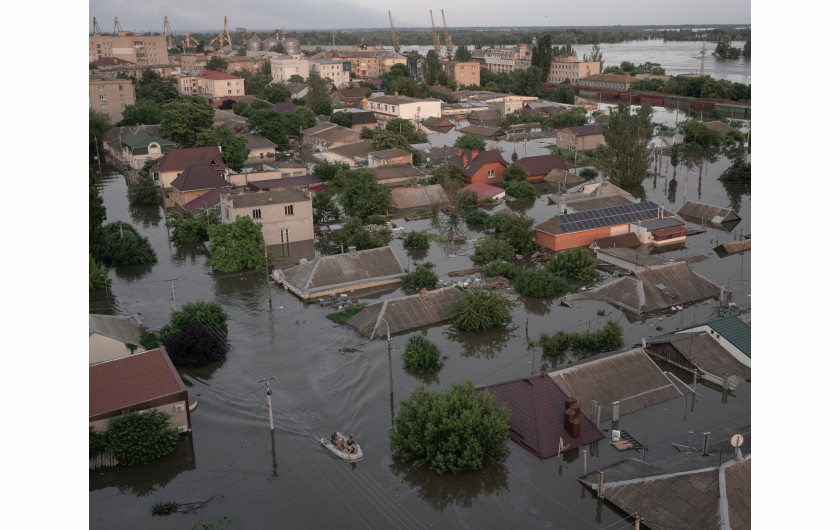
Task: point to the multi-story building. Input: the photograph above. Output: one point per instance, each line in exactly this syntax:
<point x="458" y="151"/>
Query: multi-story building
<point x="463" y="73"/>
<point x="211" y="84"/>
<point x="110" y="67"/>
<point x="110" y="96"/>
<point x="365" y="63"/>
<point x="611" y="81"/>
<point x="244" y="64"/>
<point x="569" y="67"/>
<point x="499" y="60"/>
<point x="190" y="61"/>
<point x="286" y="215"/>
<point x="134" y="47"/>
<point x="337" y="71"/>
<point x="386" y="108"/>
<point x="285" y="66"/>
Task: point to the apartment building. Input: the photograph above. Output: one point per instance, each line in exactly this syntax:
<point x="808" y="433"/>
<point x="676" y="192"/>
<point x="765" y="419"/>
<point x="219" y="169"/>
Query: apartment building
<point x="211" y="84"/>
<point x="571" y="68"/>
<point x="134" y="47"/>
<point x="337" y="71"/>
<point x="386" y="108"/>
<point x="286" y="215"/>
<point x="110" y="96"/>
<point x="463" y="73"/>
<point x="364" y="63"/>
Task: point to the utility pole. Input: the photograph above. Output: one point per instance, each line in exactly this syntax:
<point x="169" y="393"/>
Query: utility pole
<point x="268" y="393"/>
<point x="172" y="282"/>
<point x="267" y="277"/>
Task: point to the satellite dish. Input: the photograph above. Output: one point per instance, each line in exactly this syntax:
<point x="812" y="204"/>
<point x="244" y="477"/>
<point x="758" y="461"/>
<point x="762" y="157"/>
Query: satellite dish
<point x="737" y="440"/>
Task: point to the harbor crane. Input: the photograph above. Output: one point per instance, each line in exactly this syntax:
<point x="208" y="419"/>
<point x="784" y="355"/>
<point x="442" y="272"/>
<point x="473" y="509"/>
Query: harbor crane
<point x="450" y="49"/>
<point x="435" y="38"/>
<point x="117" y="27"/>
<point x="394" y="34"/>
<point x="170" y="37"/>
<point x="96" y="30"/>
<point x="187" y="39"/>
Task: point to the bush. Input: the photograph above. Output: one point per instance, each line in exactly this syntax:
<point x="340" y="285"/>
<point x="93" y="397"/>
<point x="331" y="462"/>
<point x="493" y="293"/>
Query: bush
<point x="501" y="268"/>
<point x="210" y="314"/>
<point x="340" y="317"/>
<point x="449" y="431"/>
<point x="518" y="233"/>
<point x="376" y="220"/>
<point x="465" y="199"/>
<point x="195" y="345"/>
<point x="520" y="189"/>
<point x="189" y="228"/>
<point x="420" y="278"/>
<point x="576" y="264"/>
<point x="739" y="171"/>
<point x="144" y="192"/>
<point x="164" y="508"/>
<point x="416" y="240"/>
<point x="491" y="249"/>
<point x="421" y="355"/>
<point x="354" y="234"/>
<point x="97" y="443"/>
<point x="97" y="274"/>
<point x="480" y="310"/>
<point x="539" y="284"/>
<point x="588" y="173"/>
<point x="238" y="246"/>
<point x="477" y="217"/>
<point x="606" y="339"/>
<point x="149" y="340"/>
<point x="136" y="438"/>
<point x="471" y="142"/>
<point x="124" y="246"/>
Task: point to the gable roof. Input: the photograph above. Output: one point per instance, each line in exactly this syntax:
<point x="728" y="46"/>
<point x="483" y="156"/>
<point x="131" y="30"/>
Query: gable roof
<point x="396" y="171"/>
<point x="484" y="132"/>
<point x="484" y="191"/>
<point x="653" y="289"/>
<point x="353" y="149"/>
<point x="283" y="106"/>
<point x="600" y="218"/>
<point x="199" y="178"/>
<point x="217" y="76"/>
<point x="408" y="312"/>
<point x="206" y="200"/>
<point x="386" y="154"/>
<point x="125" y="383"/>
<point x="416" y="197"/>
<point x="486" y="116"/>
<point x="586" y="130"/>
<point x="123" y="329"/>
<point x="181" y="159"/>
<point x="139" y="142"/>
<point x="331" y="132"/>
<point x="473" y="165"/>
<point x="708" y="212"/>
<point x="706" y="353"/>
<point x="343" y="270"/>
<point x="537" y="413"/>
<point x="542" y="165"/>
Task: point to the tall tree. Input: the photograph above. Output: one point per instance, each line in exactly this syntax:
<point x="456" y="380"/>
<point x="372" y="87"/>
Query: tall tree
<point x="234" y="150"/>
<point x="363" y="196"/>
<point x="471" y="141"/>
<point x="276" y="92"/>
<point x="318" y="97"/>
<point x="98" y="123"/>
<point x="541" y="55"/>
<point x="143" y="111"/>
<point x="432" y="68"/>
<point x="237" y="246"/>
<point x="217" y="64"/>
<point x="96" y="216"/>
<point x="596" y="57"/>
<point x="528" y="82"/>
<point x="626" y="156"/>
<point x="184" y="119"/>
<point x="462" y="54"/>
<point x="154" y="86"/>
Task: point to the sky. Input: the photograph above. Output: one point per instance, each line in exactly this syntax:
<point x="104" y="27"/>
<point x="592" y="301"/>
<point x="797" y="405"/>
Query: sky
<point x="337" y="14"/>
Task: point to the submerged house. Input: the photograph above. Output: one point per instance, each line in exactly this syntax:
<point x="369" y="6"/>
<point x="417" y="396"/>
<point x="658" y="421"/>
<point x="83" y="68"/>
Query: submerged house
<point x="653" y="289"/>
<point x="702" y="213"/>
<point x="405" y="200"/>
<point x="409" y="312"/>
<point x="343" y="273"/>
<point x="544" y="420"/>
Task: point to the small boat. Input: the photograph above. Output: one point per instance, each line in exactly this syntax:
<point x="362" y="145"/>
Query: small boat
<point x="352" y="455"/>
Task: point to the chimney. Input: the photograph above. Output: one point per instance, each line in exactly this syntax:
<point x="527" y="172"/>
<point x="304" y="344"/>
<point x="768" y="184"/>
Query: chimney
<point x="474" y="154"/>
<point x="465" y="161"/>
<point x="351" y="250"/>
<point x="460" y="151"/>
<point x="571" y="420"/>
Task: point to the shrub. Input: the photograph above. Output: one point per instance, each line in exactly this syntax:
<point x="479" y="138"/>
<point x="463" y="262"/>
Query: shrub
<point x="480" y="310"/>
<point x="465" y="199"/>
<point x="520" y="189"/>
<point x="376" y="220"/>
<point x="421" y="355"/>
<point x="588" y="173"/>
<point x="556" y="344"/>
<point x="149" y="340"/>
<point x="576" y="264"/>
<point x="607" y="338"/>
<point x="477" y="217"/>
<point x="450" y="431"/>
<point x="420" y="278"/>
<point x="501" y="268"/>
<point x="340" y="317"/>
<point x="210" y="314"/>
<point x="189" y="228"/>
<point x="416" y="240"/>
<point x="238" y="245"/>
<point x="491" y="249"/>
<point x="97" y="274"/>
<point x="124" y="246"/>
<point x="518" y="233"/>
<point x="97" y="443"/>
<point x="539" y="283"/>
<point x="164" y="508"/>
<point x="136" y="438"/>
<point x="195" y="345"/>
<point x="144" y="192"/>
<point x="354" y="234"/>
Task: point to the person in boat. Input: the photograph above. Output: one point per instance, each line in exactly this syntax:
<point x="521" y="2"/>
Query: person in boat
<point x="333" y="438"/>
<point x="351" y="445"/>
<point x="339" y="443"/>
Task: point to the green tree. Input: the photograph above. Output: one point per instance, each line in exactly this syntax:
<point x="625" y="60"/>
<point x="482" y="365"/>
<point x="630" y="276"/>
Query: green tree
<point x="237" y="246"/>
<point x="462" y="54"/>
<point x="501" y="268"/>
<point x="344" y="119"/>
<point x="96" y="216"/>
<point x="421" y="355"/>
<point x="184" y="119"/>
<point x="542" y="55"/>
<point x="216" y="63"/>
<point x="519" y="189"/>
<point x="98" y="123"/>
<point x="392" y="140"/>
<point x="626" y="156"/>
<point x="450" y="431"/>
<point x="574" y="264"/>
<point x="318" y="97"/>
<point x="491" y="249"/>
<point x="471" y="141"/>
<point x="324" y="208"/>
<point x="234" y="148"/>
<point x="596" y="56"/>
<point x="356" y="234"/>
<point x="528" y="82"/>
<point x="513" y="173"/>
<point x="419" y="278"/>
<point x="747" y="50"/>
<point x="144" y="192"/>
<point x="276" y="92"/>
<point x="606" y="339"/>
<point x="480" y="310"/>
<point x="406" y="129"/>
<point x="416" y="241"/>
<point x="295" y="78"/>
<point x="539" y="283"/>
<point x="209" y="314"/>
<point x="143" y="111"/>
<point x="278" y="48"/>
<point x="432" y="68"/>
<point x="124" y="246"/>
<point x="189" y="227"/>
<point x="136" y="438"/>
<point x="195" y="345"/>
<point x="739" y="171"/>
<point x="363" y="196"/>
<point x="404" y="86"/>
<point x="97" y="442"/>
<point x="518" y="232"/>
<point x="155" y="87"/>
<point x="97" y="275"/>
<point x="697" y="132"/>
<point x="564" y="51"/>
<point x="561" y="94"/>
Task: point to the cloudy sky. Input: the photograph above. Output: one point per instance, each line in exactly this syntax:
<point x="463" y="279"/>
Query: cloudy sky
<point x="336" y="14"/>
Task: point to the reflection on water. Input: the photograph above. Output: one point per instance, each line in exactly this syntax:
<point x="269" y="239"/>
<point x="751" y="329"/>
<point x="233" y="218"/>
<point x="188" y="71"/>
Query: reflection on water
<point x="487" y="344"/>
<point x="735" y="191"/>
<point x="141" y="480"/>
<point x="459" y="489"/>
<point x="131" y="273"/>
<point x="194" y="253"/>
<point x="146" y="216"/>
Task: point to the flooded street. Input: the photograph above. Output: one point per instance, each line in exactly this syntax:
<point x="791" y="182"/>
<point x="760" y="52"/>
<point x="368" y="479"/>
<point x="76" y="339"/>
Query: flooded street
<point x="286" y="479"/>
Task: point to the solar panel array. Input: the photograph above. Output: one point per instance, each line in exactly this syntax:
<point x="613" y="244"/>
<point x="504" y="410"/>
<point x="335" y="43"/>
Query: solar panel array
<point x="602" y="217"/>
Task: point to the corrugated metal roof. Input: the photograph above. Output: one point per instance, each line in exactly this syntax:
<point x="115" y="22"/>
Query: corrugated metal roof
<point x="123" y="329"/>
<point x="630" y="377"/>
<point x="343" y="270"/>
<point x="419" y="196"/>
<point x="708" y="355"/>
<point x="734" y="330"/>
<point x="408" y="312"/>
<point x="639" y="292"/>
<point x="657" y="224"/>
<point x="700" y="210"/>
<point x="537" y="413"/>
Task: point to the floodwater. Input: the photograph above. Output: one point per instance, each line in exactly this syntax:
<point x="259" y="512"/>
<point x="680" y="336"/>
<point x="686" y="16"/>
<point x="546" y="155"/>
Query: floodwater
<point x="260" y="480"/>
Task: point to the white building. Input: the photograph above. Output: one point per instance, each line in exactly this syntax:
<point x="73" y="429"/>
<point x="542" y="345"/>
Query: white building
<point x="333" y="70"/>
<point x="386" y="108"/>
<point x="285" y="66"/>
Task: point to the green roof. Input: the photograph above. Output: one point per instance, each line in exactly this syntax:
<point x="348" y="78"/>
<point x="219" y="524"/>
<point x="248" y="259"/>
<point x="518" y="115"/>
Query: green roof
<point x="139" y="143"/>
<point x="735" y="331"/>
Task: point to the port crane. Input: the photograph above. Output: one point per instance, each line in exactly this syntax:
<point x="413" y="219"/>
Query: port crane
<point x="393" y="34"/>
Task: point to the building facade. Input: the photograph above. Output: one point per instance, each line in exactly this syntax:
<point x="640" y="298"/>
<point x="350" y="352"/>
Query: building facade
<point x="211" y="85"/>
<point x="110" y="96"/>
<point x="365" y="63"/>
<point x="386" y="108"/>
<point x="286" y="215"/>
<point x="140" y="49"/>
<point x="581" y="137"/>
<point x="337" y="71"/>
<point x="463" y="73"/>
<point x="285" y="66"/>
<point x="571" y="68"/>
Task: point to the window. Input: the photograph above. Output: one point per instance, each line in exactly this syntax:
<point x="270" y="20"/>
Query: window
<point x="227" y="214"/>
<point x="491" y="173"/>
<point x="290" y="209"/>
<point x="120" y="87"/>
<point x="256" y="214"/>
<point x="102" y="97"/>
<point x="101" y="88"/>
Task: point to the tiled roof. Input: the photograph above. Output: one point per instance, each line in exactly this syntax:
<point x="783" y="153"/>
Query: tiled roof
<point x="211" y="198"/>
<point x="181" y="159"/>
<point x="537" y="413"/>
<point x="199" y="178"/>
<point x="473" y="165"/>
<point x="129" y="381"/>
<point x="484" y="191"/>
<point x="734" y="330"/>
<point x="217" y="76"/>
<point x="542" y="165"/>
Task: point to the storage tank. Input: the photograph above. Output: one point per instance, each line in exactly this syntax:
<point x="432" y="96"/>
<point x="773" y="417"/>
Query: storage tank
<point x="292" y="46"/>
<point x="255" y="45"/>
<point x="270" y="42"/>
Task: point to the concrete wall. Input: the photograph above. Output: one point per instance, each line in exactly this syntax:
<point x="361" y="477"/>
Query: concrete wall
<point x="140" y="49"/>
<point x="566" y="140"/>
<point x="178" y="419"/>
<point x="278" y="226"/>
<point x="111" y="96"/>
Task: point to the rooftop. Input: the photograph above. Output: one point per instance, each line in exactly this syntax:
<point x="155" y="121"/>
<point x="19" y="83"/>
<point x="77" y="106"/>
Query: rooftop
<point x="408" y="312"/>
<point x="180" y="159"/>
<point x="484" y="191"/>
<point x="600" y="218"/>
<point x="542" y="165"/>
<point x="264" y="198"/>
<point x="415" y="197"/>
<point x="201" y="177"/>
<point x="357" y="269"/>
<point x="474" y="164"/>
<point x="123" y="329"/>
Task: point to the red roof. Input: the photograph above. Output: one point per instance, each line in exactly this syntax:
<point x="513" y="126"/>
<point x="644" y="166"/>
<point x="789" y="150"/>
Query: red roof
<point x="537" y="412"/>
<point x="130" y="381"/>
<point x="620" y="241"/>
<point x="484" y="191"/>
<point x="542" y="165"/>
<point x="181" y="159"/>
<point x="199" y="178"/>
<point x="671" y="230"/>
<point x="217" y="76"/>
<point x="482" y="158"/>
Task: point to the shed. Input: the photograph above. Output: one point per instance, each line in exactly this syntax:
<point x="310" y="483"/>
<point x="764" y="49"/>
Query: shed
<point x="543" y="419"/>
<point x="653" y="289"/>
<point x="343" y="273"/>
<point x="631" y="378"/>
<point x="397" y="174"/>
<point x="409" y="312"/>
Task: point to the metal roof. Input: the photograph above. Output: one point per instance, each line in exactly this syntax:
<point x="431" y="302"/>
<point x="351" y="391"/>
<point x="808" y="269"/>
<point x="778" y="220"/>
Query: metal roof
<point x="408" y="312"/>
<point x="600" y="218"/>
<point x="708" y="212"/>
<point x="736" y="331"/>
<point x="123" y="329"/>
<point x="658" y="224"/>
<point x="357" y="270"/>
<point x="419" y="196"/>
